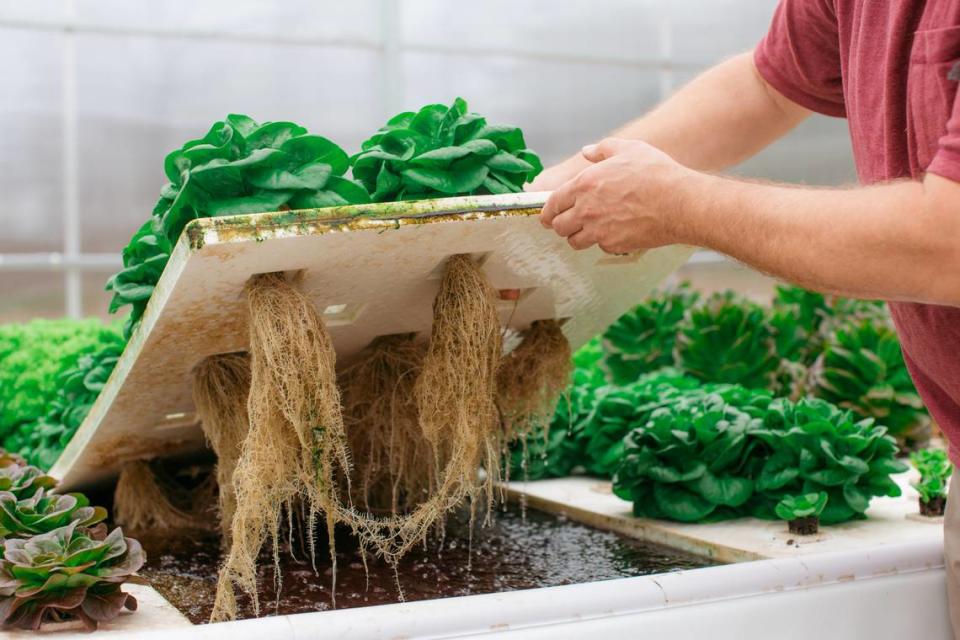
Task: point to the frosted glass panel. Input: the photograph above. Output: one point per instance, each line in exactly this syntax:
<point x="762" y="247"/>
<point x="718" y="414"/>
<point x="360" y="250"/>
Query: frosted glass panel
<point x="560" y="106"/>
<point x="706" y="32"/>
<point x="150" y="75"/>
<point x="32" y="9"/>
<point x="28" y="295"/>
<point x="30" y="158"/>
<point x="96" y="301"/>
<point x="293" y="19"/>
<point x="621" y="29"/>
<point x="139" y="98"/>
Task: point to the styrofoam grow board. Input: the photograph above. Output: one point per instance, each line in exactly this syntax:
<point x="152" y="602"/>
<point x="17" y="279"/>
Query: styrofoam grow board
<point x="371" y="269"/>
<point x="592" y="502"/>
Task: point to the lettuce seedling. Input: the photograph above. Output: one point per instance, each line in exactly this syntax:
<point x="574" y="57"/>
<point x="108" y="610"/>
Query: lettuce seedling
<point x="68" y="573"/>
<point x="935" y="469"/>
<point x="802" y="512"/>
<point x="442" y="151"/>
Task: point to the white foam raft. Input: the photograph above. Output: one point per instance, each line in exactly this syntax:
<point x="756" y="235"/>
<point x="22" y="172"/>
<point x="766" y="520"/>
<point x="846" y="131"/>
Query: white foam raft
<point x="371" y="269"/>
<point x="591" y="501"/>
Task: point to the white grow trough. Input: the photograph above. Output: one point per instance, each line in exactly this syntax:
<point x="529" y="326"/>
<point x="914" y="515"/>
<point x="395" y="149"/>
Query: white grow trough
<point x="868" y="589"/>
<point x="376" y="274"/>
<point x="890" y="592"/>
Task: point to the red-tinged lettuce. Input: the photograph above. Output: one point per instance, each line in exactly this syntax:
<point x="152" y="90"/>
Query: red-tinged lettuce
<point x="43" y="512"/>
<point x="24" y="481"/>
<point x="68" y="573"/>
<point x="442" y="151"/>
<point x="8" y="458"/>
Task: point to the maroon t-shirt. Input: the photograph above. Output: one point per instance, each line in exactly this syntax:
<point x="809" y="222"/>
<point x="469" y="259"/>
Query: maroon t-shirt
<point x="886" y="66"/>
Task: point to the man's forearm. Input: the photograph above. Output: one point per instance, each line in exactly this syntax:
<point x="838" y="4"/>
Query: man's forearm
<point x="721" y="118"/>
<point x="898" y="241"/>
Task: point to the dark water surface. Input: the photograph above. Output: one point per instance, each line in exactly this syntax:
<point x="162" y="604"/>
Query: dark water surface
<point x="514" y="552"/>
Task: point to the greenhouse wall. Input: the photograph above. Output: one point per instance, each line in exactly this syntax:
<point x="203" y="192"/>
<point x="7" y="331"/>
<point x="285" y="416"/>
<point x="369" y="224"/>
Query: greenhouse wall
<point x="96" y="91"/>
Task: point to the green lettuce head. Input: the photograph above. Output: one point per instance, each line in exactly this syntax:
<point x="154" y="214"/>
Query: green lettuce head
<point x="442" y="151"/>
<point x="238" y="167"/>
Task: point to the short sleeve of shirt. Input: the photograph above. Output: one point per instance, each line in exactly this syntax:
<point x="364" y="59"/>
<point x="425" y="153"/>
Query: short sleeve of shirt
<point x="946" y="162"/>
<point x="800" y="55"/>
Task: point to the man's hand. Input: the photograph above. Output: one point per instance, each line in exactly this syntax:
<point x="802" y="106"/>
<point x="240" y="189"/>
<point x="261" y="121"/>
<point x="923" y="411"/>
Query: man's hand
<point x="897" y="241"/>
<point x="630" y="198"/>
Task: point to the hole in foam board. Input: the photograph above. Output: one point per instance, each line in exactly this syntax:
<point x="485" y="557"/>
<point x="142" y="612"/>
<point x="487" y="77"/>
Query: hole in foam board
<point x="334" y="315"/>
<point x="510" y="298"/>
<point x="341" y="313"/>
<point x="178" y="420"/>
